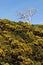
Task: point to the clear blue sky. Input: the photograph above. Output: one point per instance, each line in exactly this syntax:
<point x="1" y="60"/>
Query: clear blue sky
<point x="9" y="8"/>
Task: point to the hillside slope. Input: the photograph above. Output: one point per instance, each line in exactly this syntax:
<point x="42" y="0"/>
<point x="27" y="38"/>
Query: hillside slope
<point x="20" y="43"/>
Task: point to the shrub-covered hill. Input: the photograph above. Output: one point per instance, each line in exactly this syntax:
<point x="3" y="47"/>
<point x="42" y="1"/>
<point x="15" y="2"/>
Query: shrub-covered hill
<point x="20" y="43"/>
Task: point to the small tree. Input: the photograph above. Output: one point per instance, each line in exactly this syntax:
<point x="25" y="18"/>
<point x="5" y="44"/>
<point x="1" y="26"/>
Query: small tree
<point x="28" y="15"/>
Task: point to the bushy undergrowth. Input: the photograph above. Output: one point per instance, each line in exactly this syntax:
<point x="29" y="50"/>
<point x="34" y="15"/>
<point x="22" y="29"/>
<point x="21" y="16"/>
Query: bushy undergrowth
<point x="20" y="43"/>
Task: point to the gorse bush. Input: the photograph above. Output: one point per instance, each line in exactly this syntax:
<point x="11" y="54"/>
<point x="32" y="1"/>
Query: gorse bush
<point x="20" y="43"/>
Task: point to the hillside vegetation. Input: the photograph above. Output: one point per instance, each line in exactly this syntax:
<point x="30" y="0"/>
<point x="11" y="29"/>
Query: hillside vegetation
<point x="20" y="43"/>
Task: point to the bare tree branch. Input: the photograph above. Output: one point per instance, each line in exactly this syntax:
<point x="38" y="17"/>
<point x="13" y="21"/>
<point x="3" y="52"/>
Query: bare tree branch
<point x="28" y="15"/>
<point x="32" y="12"/>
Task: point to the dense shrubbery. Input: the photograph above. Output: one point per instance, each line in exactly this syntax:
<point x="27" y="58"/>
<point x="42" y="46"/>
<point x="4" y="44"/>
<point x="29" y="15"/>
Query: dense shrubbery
<point x="20" y="43"/>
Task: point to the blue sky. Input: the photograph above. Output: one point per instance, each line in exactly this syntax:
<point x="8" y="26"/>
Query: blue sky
<point x="9" y="8"/>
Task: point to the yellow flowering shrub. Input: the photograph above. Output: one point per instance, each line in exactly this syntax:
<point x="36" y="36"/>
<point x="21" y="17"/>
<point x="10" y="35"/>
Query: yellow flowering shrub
<point x="1" y="51"/>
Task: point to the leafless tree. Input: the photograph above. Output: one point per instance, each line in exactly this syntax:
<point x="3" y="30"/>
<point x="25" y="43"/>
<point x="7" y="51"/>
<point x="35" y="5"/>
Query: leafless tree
<point x="23" y="16"/>
<point x="28" y="15"/>
<point x="32" y="12"/>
